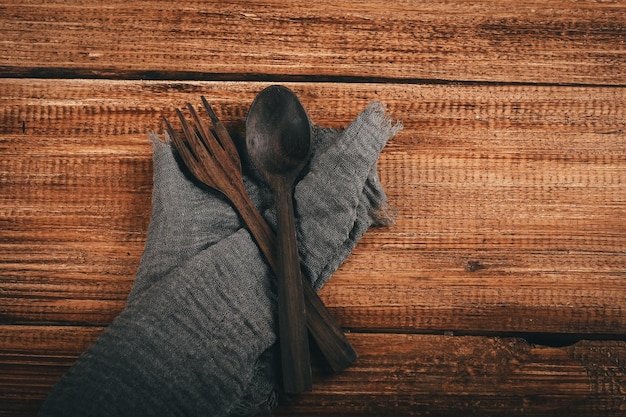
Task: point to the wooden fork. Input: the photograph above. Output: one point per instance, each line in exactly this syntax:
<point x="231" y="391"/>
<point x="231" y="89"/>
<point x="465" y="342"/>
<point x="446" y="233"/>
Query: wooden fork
<point x="212" y="158"/>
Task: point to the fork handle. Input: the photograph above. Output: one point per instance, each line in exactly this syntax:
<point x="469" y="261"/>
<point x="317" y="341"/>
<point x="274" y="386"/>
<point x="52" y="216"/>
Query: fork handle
<point x="323" y="328"/>
<point x="257" y="225"/>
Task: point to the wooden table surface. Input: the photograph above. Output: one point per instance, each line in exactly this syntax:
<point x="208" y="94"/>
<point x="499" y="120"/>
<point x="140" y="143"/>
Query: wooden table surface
<point x="500" y="289"/>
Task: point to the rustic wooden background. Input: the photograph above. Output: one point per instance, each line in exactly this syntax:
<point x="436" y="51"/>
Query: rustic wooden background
<point x="500" y="290"/>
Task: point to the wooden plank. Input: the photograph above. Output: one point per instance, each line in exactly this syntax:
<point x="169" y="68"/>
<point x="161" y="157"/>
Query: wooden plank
<point x="32" y="360"/>
<point x="510" y="202"/>
<point x="395" y="375"/>
<point x="582" y="42"/>
<point x="452" y="376"/>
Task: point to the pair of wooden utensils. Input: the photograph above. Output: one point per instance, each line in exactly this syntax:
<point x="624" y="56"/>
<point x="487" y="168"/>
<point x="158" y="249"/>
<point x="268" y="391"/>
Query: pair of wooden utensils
<point x="278" y="143"/>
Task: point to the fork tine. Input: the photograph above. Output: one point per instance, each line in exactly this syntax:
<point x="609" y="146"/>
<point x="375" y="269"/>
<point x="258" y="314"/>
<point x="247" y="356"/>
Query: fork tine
<point x="224" y="168"/>
<point x="206" y="136"/>
<point x="196" y="168"/>
<point x="172" y="133"/>
<point x="202" y="155"/>
<point x="183" y="151"/>
<point x="222" y="134"/>
<point x="179" y="145"/>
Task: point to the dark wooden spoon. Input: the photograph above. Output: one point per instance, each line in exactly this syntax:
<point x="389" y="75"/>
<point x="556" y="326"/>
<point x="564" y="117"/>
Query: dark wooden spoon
<point x="278" y="141"/>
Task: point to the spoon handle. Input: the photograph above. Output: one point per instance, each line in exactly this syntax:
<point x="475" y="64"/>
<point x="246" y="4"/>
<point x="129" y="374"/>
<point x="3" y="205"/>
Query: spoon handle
<point x="327" y="334"/>
<point x="294" y="344"/>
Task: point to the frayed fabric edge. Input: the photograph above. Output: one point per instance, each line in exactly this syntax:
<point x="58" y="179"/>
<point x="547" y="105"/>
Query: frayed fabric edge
<point x="157" y="140"/>
<point x="380" y="116"/>
<point x="382" y="213"/>
<point x="383" y="216"/>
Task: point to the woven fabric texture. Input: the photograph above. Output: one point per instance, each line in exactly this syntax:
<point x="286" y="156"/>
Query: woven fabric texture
<point x="198" y="334"/>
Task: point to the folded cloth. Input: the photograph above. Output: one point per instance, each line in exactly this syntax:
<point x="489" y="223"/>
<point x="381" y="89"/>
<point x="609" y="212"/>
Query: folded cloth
<point x="197" y="335"/>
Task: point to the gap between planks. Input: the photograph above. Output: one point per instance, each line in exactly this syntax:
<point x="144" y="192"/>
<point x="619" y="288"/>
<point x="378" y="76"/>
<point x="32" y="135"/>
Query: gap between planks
<point x="45" y="73"/>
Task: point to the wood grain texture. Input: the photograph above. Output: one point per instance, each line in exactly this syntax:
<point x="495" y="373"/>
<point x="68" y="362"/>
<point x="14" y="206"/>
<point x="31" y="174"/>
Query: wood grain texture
<point x="508" y="182"/>
<point x="564" y="42"/>
<point x="397" y="374"/>
<point x="510" y="202"/>
<point x="32" y="360"/>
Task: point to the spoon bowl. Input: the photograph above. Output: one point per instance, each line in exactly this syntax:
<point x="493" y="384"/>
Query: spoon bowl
<point x="278" y="133"/>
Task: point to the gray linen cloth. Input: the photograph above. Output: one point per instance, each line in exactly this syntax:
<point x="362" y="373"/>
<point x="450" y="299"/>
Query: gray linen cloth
<point x="197" y="336"/>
